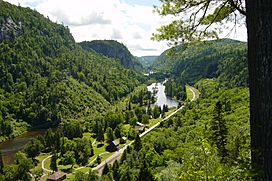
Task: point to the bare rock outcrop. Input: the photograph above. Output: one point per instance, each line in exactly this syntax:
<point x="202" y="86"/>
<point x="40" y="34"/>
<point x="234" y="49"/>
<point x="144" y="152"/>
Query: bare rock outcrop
<point x="9" y="30"/>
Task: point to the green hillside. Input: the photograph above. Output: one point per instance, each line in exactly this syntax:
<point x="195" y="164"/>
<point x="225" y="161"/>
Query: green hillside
<point x="189" y="63"/>
<point x="45" y="77"/>
<point x="147" y="61"/>
<point x="113" y="49"/>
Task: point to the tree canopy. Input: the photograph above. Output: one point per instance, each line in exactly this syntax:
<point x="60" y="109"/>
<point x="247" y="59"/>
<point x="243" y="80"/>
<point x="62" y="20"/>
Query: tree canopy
<point x="196" y="20"/>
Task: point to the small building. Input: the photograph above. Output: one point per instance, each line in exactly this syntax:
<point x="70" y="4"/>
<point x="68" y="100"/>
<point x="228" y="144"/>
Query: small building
<point x="141" y="129"/>
<point x="56" y="177"/>
<point x="140" y="124"/>
<point x="113" y="146"/>
<point x="123" y="140"/>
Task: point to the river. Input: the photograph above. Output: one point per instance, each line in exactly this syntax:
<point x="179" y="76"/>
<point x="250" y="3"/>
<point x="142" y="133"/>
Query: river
<point x="10" y="147"/>
<point x="161" y="96"/>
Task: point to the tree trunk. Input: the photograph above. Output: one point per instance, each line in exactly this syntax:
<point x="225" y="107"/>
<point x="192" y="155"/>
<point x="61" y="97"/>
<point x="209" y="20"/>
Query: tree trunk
<point x="259" y="26"/>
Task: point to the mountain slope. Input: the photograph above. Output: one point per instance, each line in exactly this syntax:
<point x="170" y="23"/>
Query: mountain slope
<point x="147" y="61"/>
<point x="113" y="49"/>
<point x="45" y="77"/>
<point x="224" y="58"/>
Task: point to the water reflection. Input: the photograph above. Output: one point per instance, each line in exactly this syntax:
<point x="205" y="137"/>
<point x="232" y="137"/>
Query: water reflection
<point x="10" y="147"/>
<point x="161" y="96"/>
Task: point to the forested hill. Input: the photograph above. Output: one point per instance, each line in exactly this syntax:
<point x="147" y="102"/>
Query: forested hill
<point x="45" y="77"/>
<point x="147" y="61"/>
<point x="113" y="49"/>
<point x="225" y="59"/>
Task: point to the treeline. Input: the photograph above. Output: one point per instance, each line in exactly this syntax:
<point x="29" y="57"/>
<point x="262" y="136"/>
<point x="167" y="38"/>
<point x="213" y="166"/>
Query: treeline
<point x="45" y="77"/>
<point x="176" y="89"/>
<point x="224" y="59"/>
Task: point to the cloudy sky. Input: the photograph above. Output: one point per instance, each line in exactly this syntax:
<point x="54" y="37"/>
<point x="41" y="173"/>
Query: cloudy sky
<point x="128" y="21"/>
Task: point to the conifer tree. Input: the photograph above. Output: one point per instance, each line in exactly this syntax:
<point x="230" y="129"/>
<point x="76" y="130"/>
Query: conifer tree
<point x="100" y="134"/>
<point x="137" y="143"/>
<point x="110" y="136"/>
<point x="106" y="169"/>
<point x="145" y="174"/>
<point x="115" y="171"/>
<point x="1" y="163"/>
<point x="219" y="131"/>
<point x="53" y="164"/>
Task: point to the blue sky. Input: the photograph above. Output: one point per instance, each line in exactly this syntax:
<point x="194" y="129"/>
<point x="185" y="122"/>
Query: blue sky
<point x="130" y="22"/>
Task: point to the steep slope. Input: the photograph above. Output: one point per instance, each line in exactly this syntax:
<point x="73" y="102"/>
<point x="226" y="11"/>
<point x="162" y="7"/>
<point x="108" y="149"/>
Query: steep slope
<point x="147" y="61"/>
<point x="45" y="77"/>
<point x="113" y="49"/>
<point x="225" y="59"/>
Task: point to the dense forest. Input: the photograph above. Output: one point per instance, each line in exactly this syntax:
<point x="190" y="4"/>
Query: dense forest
<point x="147" y="61"/>
<point x="113" y="49"/>
<point x="45" y="77"/>
<point x="192" y="62"/>
<point x="207" y="140"/>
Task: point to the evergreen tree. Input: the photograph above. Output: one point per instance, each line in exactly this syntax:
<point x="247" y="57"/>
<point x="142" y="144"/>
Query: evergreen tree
<point x="125" y="176"/>
<point x="137" y="143"/>
<point x="98" y="159"/>
<point x="92" y="176"/>
<point x="129" y="105"/>
<point x="24" y="165"/>
<point x="115" y="170"/>
<point x="145" y="174"/>
<point x="219" y="131"/>
<point x="110" y="136"/>
<point x="149" y="110"/>
<point x="106" y="169"/>
<point x="156" y="112"/>
<point x="124" y="156"/>
<point x="33" y="148"/>
<point x="117" y="132"/>
<point x="1" y="163"/>
<point x="53" y="164"/>
<point x="100" y="134"/>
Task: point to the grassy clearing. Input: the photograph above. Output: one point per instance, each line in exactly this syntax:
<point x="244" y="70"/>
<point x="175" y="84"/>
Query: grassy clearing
<point x="189" y="93"/>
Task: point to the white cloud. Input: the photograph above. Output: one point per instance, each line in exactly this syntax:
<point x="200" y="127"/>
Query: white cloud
<point x="106" y="19"/>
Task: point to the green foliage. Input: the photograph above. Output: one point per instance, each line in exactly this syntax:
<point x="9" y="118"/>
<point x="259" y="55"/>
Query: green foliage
<point x="37" y="173"/>
<point x="72" y="130"/>
<point x="219" y="131"/>
<point x="90" y="176"/>
<point x="113" y="49"/>
<point x="137" y="143"/>
<point x="33" y="148"/>
<point x="24" y="165"/>
<point x="106" y="169"/>
<point x="1" y="163"/>
<point x="45" y="77"/>
<point x="100" y="134"/>
<point x="110" y="136"/>
<point x="115" y="170"/>
<point x="188" y="63"/>
<point x="181" y="148"/>
<point x="156" y="112"/>
<point x="195" y="20"/>
<point x="174" y="88"/>
<point x="147" y="61"/>
<point x="68" y="158"/>
<point x="53" y="163"/>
